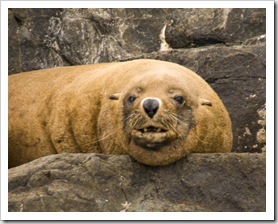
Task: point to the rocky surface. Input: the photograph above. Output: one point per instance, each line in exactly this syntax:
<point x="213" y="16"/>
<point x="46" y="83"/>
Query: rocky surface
<point x="232" y="182"/>
<point x="42" y="38"/>
<point x="224" y="46"/>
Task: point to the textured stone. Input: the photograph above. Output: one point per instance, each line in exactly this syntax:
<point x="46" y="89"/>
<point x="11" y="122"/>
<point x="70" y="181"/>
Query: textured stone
<point x="57" y="37"/>
<point x="89" y="182"/>
<point x="199" y="27"/>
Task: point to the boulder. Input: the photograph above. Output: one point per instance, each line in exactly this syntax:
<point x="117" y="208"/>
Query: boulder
<point x="233" y="182"/>
<point x="198" y="27"/>
<point x="43" y="38"/>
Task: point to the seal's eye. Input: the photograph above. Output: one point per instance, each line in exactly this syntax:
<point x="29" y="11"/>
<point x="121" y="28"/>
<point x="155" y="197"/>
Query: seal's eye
<point x="131" y="99"/>
<point x="179" y="99"/>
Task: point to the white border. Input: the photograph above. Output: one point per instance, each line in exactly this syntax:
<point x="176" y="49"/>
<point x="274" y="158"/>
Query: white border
<point x="268" y="215"/>
<point x="270" y="74"/>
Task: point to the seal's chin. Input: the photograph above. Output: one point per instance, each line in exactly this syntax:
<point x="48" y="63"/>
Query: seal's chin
<point x="151" y="137"/>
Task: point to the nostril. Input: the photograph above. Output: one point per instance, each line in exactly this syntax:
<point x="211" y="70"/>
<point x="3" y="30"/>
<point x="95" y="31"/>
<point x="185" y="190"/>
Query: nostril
<point x="151" y="106"/>
<point x="151" y="113"/>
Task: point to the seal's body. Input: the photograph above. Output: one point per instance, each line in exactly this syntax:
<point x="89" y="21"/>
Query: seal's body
<point x="155" y="111"/>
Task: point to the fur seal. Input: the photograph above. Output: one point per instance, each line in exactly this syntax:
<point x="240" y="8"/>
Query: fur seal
<point x="155" y="111"/>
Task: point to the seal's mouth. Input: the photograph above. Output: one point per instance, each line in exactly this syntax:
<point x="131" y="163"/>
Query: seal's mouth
<point x="152" y="137"/>
<point x="151" y="129"/>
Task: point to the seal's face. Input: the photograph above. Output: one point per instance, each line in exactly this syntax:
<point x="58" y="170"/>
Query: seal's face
<point x="157" y="119"/>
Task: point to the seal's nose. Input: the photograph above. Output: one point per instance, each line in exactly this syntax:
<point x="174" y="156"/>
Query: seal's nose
<point x="151" y="106"/>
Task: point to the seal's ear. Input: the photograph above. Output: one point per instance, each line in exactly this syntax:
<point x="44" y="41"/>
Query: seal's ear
<point x="115" y="96"/>
<point x="205" y="102"/>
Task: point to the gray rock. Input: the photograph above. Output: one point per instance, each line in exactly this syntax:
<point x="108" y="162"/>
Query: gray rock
<point x="42" y="38"/>
<point x="199" y="27"/>
<point x="90" y="182"/>
<point x="59" y="37"/>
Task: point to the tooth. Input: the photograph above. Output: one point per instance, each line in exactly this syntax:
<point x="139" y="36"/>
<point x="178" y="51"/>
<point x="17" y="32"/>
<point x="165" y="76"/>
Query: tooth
<point x="158" y="130"/>
<point x="145" y="129"/>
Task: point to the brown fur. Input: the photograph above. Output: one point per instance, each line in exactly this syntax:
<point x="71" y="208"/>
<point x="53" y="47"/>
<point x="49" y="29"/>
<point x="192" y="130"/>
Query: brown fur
<point x="82" y="109"/>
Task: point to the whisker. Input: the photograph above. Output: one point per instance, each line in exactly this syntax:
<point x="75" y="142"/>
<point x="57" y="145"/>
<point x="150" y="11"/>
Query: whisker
<point x="136" y="121"/>
<point x="199" y="137"/>
<point x="185" y="124"/>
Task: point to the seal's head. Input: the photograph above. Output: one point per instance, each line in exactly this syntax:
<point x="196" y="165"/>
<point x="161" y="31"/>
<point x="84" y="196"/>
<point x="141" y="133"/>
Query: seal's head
<point x="160" y="115"/>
